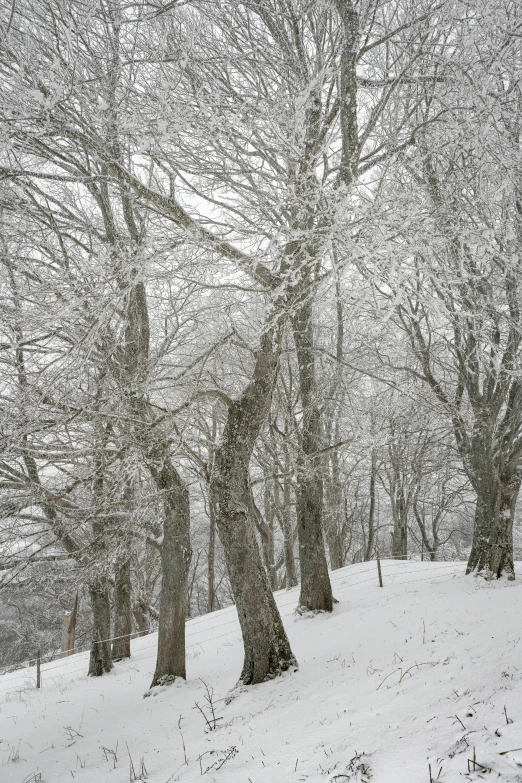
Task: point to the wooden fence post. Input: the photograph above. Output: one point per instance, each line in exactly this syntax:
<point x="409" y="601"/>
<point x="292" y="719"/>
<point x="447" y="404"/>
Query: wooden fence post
<point x="38" y="675"/>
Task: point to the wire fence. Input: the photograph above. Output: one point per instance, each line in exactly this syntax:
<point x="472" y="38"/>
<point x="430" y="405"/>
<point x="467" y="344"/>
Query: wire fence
<point x="342" y="580"/>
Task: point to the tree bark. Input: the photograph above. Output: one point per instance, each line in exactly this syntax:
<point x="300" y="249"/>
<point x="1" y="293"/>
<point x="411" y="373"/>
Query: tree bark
<point x="122" y="610"/>
<point x="370" y="544"/>
<point x="175" y="549"/>
<point x="502" y="549"/>
<point x="316" y="590"/>
<point x="176" y="552"/>
<point x="175" y="562"/>
<point x="211" y="559"/>
<point x="267" y="650"/>
<point x="334" y="517"/>
<point x="284" y="516"/>
<point x="334" y="512"/>
<point x="69" y="629"/>
<point x="492" y="546"/>
<point x="265" y="529"/>
<point x="431" y="547"/>
<point x="100" y="660"/>
<point x="400" y="527"/>
<point x="141" y="616"/>
<point x="288" y="536"/>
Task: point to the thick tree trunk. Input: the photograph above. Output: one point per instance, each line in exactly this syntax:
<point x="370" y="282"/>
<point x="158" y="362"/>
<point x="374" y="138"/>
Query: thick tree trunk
<point x="486" y="511"/>
<point x="501" y="560"/>
<point x="175" y="562"/>
<point x="267" y="650"/>
<point x="122" y="610"/>
<point x="100" y="660"/>
<point x="316" y="591"/>
<point x="492" y="546"/>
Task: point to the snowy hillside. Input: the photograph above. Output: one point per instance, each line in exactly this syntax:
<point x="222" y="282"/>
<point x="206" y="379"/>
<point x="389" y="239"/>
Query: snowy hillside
<point x="420" y="672"/>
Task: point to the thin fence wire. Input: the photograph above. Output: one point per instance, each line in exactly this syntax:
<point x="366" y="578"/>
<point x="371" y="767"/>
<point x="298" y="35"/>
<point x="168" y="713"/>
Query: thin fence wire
<point x="340" y="582"/>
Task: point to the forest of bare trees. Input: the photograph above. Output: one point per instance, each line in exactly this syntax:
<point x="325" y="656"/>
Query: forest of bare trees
<point x="260" y="311"/>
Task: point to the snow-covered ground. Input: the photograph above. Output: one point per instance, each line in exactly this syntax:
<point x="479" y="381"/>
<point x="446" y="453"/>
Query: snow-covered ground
<point x="420" y="672"/>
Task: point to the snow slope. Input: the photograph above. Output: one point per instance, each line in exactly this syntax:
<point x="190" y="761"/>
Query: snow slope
<point x="419" y="672"/>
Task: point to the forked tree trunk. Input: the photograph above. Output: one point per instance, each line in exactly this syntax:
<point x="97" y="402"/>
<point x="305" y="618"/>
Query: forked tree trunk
<point x="266" y="647"/>
<point x="316" y="590"/>
<point x="175" y="563"/>
<point x="100" y="660"/>
<point x="122" y="610"/>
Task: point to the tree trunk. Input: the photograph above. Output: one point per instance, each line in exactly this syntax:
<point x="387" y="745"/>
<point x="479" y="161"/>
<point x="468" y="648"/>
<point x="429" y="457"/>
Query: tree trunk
<point x="266" y="647"/>
<point x="502" y="539"/>
<point x="400" y="539"/>
<point x="175" y="549"/>
<point x="100" y="659"/>
<point x="69" y="629"/>
<point x="492" y="546"/>
<point x="211" y="559"/>
<point x="122" y="610"/>
<point x="269" y="504"/>
<point x="316" y="590"/>
<point x="334" y="513"/>
<point x="370" y="544"/>
<point x="432" y="547"/>
<point x="175" y="563"/>
<point x="266" y="533"/>
<point x="141" y="616"/>
<point x="285" y="521"/>
<point x="400" y="526"/>
<point x="334" y="518"/>
<point x="211" y="555"/>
